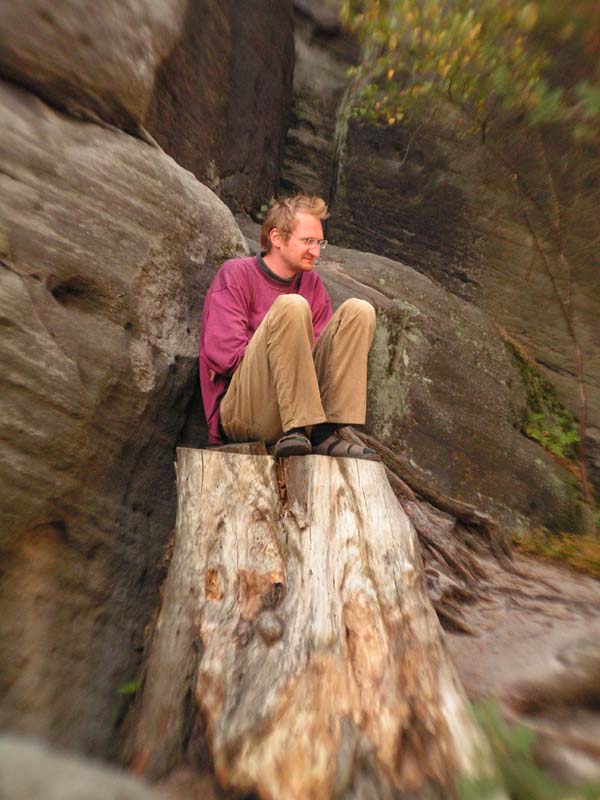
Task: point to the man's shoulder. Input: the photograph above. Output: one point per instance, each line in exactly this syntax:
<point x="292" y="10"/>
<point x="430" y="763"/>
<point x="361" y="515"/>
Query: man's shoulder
<point x="237" y="266"/>
<point x="233" y="272"/>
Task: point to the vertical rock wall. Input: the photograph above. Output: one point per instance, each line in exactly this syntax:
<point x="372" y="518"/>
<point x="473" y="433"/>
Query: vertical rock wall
<point x="107" y="245"/>
<point x="432" y="197"/>
<point x="221" y="99"/>
<point x="209" y="81"/>
<point x="323" y="54"/>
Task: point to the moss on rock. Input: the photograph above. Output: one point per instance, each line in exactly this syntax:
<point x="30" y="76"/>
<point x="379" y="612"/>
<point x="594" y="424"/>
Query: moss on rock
<point x="547" y="421"/>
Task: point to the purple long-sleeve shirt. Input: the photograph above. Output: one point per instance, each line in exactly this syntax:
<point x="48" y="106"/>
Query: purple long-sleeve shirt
<point x="238" y="298"/>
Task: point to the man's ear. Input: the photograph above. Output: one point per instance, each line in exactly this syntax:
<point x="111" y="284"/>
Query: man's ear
<point x="275" y="237"/>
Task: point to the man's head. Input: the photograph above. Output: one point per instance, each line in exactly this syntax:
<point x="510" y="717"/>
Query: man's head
<point x="290" y="232"/>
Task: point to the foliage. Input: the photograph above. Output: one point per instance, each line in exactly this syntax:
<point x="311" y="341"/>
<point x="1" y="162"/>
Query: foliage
<point x="128" y="688"/>
<point x="512" y="749"/>
<point x="556" y="432"/>
<point x="261" y="214"/>
<point x="548" y="422"/>
<point x="483" y="56"/>
<point x="495" y="61"/>
<point x="580" y="552"/>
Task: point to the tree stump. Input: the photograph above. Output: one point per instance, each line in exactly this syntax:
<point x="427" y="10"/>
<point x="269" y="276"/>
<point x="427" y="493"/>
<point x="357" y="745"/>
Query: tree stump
<point x="297" y="640"/>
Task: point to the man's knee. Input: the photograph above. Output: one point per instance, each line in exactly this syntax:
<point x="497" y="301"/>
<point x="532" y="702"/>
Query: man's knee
<point x="360" y="308"/>
<point x="291" y="305"/>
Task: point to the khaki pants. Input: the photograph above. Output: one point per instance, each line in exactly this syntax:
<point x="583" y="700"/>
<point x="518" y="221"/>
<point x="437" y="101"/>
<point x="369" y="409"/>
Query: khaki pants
<point x="283" y="383"/>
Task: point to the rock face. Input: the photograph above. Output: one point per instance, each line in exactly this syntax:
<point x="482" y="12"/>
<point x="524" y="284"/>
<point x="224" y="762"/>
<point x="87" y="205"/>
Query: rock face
<point x="435" y="199"/>
<point x="199" y="78"/>
<point x="222" y="98"/>
<point x="101" y="63"/>
<point x="443" y="204"/>
<point x="323" y="54"/>
<point x="30" y="771"/>
<point x="445" y="393"/>
<point x="107" y="248"/>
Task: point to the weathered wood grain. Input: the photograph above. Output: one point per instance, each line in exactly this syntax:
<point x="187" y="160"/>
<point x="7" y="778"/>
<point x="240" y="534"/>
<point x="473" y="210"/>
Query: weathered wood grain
<point x="296" y="611"/>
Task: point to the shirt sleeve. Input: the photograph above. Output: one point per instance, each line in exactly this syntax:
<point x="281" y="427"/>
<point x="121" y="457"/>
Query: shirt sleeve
<point x="225" y="330"/>
<point x="322" y="310"/>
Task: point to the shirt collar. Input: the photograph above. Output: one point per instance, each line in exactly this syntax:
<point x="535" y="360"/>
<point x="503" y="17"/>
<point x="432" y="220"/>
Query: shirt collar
<point x="270" y="274"/>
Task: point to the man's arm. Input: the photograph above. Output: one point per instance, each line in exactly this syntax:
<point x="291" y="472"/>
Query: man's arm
<point x="225" y="330"/>
<point x="321" y="309"/>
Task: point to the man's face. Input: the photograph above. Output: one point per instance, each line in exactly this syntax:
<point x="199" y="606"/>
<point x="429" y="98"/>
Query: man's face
<point x="298" y="257"/>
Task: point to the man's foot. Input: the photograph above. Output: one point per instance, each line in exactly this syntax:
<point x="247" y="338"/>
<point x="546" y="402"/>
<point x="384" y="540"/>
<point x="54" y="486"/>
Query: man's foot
<point x="293" y="443"/>
<point x="338" y="448"/>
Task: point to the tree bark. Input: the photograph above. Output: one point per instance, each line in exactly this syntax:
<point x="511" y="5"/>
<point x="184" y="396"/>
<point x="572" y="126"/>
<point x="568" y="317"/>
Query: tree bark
<point x="297" y="640"/>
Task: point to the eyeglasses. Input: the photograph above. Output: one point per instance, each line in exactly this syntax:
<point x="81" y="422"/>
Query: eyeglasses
<point x="310" y="243"/>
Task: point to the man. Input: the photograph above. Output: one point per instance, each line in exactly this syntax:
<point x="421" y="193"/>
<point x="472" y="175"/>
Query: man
<point x="261" y="373"/>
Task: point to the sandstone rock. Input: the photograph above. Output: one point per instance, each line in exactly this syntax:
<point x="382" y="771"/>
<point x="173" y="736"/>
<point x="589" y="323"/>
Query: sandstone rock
<point x="222" y="98"/>
<point x="325" y="15"/>
<point x="437" y="200"/>
<point x="433" y="198"/>
<point x="445" y="393"/>
<point x="31" y="771"/>
<point x="320" y="80"/>
<point x="107" y="248"/>
<point x="209" y="81"/>
<point x="101" y="60"/>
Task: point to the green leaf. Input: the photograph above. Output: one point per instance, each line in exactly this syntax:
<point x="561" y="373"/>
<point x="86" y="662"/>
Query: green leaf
<point x="129" y="688"/>
<point x="487" y="54"/>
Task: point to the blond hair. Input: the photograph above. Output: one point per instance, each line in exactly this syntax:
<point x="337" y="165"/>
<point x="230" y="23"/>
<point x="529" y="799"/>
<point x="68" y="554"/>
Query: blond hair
<point x="282" y="215"/>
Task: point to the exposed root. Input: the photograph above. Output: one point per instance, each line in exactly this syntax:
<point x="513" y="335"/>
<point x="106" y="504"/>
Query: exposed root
<point x="452" y="619"/>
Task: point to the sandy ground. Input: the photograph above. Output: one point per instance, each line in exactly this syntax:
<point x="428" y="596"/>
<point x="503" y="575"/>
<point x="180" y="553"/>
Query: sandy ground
<point x="537" y="653"/>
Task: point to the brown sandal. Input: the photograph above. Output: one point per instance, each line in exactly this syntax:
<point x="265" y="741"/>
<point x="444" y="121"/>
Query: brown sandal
<point x="292" y="444"/>
<point x="338" y="448"/>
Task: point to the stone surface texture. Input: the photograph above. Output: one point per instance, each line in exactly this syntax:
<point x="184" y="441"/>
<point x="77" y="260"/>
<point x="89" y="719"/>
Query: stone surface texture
<point x="433" y="198"/>
<point x="210" y="82"/>
<point x="323" y="54"/>
<point x="537" y="652"/>
<point x="107" y="248"/>
<point x="107" y="245"/>
<point x="31" y="771"/>
<point x="445" y="393"/>
<point x="99" y="60"/>
<point x="222" y="98"/>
